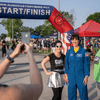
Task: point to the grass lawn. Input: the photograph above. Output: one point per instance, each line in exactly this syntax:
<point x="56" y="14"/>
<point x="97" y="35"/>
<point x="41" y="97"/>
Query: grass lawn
<point x="34" y="51"/>
<point x="96" y="49"/>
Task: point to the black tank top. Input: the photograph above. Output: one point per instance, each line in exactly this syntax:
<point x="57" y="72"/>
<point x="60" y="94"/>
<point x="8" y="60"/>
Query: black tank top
<point x="55" y="62"/>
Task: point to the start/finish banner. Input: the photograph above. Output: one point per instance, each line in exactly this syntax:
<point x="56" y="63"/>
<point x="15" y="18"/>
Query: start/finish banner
<point x="33" y="11"/>
<point x="25" y="11"/>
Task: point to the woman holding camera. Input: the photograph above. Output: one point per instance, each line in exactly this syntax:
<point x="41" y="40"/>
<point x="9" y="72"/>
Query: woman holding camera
<point x="23" y="91"/>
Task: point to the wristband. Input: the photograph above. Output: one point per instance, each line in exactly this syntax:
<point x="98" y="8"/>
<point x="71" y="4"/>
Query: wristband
<point x="10" y="59"/>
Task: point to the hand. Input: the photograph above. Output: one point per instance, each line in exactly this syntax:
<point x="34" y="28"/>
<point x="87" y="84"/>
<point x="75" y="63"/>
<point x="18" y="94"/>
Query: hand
<point x="49" y="73"/>
<point x="66" y="79"/>
<point x="85" y="80"/>
<point x="16" y="51"/>
<point x="29" y="49"/>
<point x="32" y="45"/>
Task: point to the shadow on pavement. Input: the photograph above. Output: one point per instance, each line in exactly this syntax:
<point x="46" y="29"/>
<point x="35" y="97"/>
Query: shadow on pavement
<point x="26" y="63"/>
<point x="94" y="95"/>
<point x="16" y="66"/>
<point x="20" y="65"/>
<point x="19" y="71"/>
<point x="93" y="87"/>
<point x="22" y="71"/>
<point x="15" y="79"/>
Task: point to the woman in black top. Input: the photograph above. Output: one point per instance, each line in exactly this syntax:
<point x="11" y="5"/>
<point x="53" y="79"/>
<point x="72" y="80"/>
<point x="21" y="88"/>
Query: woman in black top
<point x="56" y="74"/>
<point x="13" y="45"/>
<point x="4" y="48"/>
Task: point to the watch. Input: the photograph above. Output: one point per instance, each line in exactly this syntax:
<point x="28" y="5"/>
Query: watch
<point x="10" y="59"/>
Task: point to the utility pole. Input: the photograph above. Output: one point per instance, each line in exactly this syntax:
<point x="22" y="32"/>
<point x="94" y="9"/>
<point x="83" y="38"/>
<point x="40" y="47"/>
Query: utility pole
<point x="59" y="5"/>
<point x="12" y="28"/>
<point x="59" y="10"/>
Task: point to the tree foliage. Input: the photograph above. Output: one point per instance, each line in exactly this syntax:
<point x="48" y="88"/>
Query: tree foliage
<point x="69" y="16"/>
<point x="17" y="23"/>
<point x="27" y="29"/>
<point x="3" y="36"/>
<point x="95" y="17"/>
<point x="44" y="29"/>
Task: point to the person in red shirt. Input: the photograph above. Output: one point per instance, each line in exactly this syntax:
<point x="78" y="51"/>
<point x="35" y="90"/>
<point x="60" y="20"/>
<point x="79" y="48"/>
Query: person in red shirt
<point x="87" y="43"/>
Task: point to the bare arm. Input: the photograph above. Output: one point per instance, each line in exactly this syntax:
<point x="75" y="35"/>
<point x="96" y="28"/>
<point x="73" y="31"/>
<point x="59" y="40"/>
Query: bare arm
<point x="4" y="66"/>
<point x="44" y="67"/>
<point x="35" y="75"/>
<point x="6" y="63"/>
<point x="20" y="92"/>
<point x="31" y="91"/>
<point x="25" y="91"/>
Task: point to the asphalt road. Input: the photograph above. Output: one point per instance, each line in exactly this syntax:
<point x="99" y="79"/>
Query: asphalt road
<point x="18" y="72"/>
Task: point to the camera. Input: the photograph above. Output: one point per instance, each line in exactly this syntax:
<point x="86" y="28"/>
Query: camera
<point x="96" y="60"/>
<point x="25" y="39"/>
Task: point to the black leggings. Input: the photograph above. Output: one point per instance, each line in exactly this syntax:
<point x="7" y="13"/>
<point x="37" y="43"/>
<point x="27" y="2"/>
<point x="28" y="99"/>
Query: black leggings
<point x="57" y="93"/>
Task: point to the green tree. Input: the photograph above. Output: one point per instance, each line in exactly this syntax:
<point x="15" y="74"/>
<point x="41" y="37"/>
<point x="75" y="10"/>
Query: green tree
<point x="70" y="17"/>
<point x="17" y="23"/>
<point x="27" y="29"/>
<point x="38" y="30"/>
<point x="3" y="36"/>
<point x="31" y="30"/>
<point x="95" y="17"/>
<point x="24" y="29"/>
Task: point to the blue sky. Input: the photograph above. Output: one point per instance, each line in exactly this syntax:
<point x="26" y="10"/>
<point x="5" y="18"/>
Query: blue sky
<point x="82" y="9"/>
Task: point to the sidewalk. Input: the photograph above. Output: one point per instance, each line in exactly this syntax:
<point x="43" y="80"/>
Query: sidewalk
<point x="19" y="73"/>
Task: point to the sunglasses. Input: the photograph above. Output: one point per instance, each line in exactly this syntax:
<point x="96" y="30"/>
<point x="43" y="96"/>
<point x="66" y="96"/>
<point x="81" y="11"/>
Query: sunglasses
<point x="58" y="46"/>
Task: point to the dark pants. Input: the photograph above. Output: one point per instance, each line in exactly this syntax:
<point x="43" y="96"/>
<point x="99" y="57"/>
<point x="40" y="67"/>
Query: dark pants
<point x="7" y="46"/>
<point x="57" y="93"/>
<point x="3" y="51"/>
